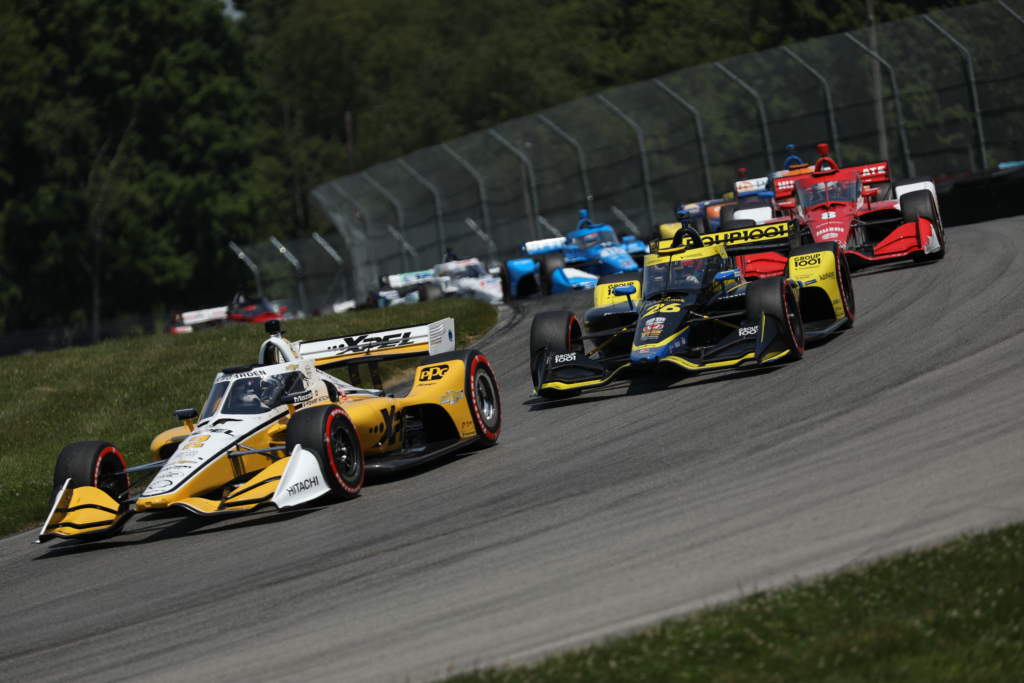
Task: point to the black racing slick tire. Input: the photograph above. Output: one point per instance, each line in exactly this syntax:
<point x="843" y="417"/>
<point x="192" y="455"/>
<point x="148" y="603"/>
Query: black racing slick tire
<point x="772" y="297"/>
<point x="431" y="291"/>
<point x="549" y="263"/>
<point x="326" y="431"/>
<point x="921" y="204"/>
<point x="553" y="332"/>
<point x="506" y="282"/>
<point x="92" y="463"/>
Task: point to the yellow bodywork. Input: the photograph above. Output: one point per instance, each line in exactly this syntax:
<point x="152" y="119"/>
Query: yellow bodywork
<point x="819" y="270"/>
<point x="83" y="511"/>
<point x="377" y="422"/>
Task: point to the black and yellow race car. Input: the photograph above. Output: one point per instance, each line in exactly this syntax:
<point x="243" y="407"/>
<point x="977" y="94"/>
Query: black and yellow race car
<point x="693" y="309"/>
<point x="283" y="432"/>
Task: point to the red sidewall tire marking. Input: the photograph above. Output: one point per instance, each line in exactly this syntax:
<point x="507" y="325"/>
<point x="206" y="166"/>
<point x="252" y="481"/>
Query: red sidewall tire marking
<point x="329" y="451"/>
<point x="486" y="433"/>
<point x="99" y="465"/>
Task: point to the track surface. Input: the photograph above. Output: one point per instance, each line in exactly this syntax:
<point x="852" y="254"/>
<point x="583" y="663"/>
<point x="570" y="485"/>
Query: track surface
<point x="589" y="517"/>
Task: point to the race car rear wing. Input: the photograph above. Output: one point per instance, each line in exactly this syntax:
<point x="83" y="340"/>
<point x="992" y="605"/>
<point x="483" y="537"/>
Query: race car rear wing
<point x="872" y="174"/>
<point x="748" y="240"/>
<point x="372" y="347"/>
<point x="544" y="245"/>
<point x="415" y="277"/>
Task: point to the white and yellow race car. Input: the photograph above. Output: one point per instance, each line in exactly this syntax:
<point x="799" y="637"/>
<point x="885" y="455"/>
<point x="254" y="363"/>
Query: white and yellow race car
<point x="283" y="432"/>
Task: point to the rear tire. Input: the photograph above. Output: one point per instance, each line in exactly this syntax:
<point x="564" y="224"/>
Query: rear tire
<point x="326" y="431"/>
<point x="506" y="283"/>
<point x="557" y="332"/>
<point x="92" y="463"/>
<point x="431" y="291"/>
<point x="772" y="297"/>
<point x="549" y="263"/>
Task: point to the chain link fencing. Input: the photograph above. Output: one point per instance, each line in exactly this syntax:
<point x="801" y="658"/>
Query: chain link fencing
<point x="936" y="94"/>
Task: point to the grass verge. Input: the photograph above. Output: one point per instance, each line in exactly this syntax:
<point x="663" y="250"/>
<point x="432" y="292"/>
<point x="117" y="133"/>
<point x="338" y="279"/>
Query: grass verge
<point x="950" y="613"/>
<point x="125" y="390"/>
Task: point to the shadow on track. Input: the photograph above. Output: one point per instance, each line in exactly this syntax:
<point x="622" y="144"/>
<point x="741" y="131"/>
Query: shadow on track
<point x="171" y="528"/>
<point x="646" y="383"/>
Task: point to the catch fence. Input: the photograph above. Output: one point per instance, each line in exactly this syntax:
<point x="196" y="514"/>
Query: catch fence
<point x="935" y="94"/>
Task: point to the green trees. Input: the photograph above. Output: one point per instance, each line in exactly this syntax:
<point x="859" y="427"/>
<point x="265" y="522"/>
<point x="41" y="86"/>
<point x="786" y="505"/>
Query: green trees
<point x="123" y="159"/>
<point x="137" y="138"/>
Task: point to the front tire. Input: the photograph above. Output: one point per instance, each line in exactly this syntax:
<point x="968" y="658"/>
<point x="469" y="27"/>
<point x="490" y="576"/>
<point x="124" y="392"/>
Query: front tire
<point x="92" y="463"/>
<point x="553" y="332"/>
<point x="921" y="204"/>
<point x="326" y="431"/>
<point x="549" y="263"/>
<point x="772" y="297"/>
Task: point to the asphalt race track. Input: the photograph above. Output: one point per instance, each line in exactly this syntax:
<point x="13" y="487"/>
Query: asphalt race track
<point x="590" y="517"/>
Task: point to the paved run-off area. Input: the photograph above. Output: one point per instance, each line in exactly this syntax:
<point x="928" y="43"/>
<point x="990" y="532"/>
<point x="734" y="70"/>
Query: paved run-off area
<point x="590" y="516"/>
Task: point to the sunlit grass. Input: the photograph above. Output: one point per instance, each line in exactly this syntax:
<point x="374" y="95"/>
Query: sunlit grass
<point x="951" y="613"/>
<point x="125" y="390"/>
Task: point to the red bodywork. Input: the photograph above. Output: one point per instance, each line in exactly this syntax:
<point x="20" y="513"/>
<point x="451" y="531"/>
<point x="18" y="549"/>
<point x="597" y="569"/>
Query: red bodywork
<point x="851" y="206"/>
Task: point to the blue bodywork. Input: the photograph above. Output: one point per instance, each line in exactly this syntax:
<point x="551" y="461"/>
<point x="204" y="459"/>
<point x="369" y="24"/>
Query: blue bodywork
<point x="589" y="251"/>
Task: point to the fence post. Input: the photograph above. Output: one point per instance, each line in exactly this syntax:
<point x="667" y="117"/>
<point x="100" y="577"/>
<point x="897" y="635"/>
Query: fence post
<point x="438" y="209"/>
<point x="358" y="243"/>
<point x="760" y="111"/>
<point x="580" y="157"/>
<point x="908" y="163"/>
<point x="338" y="261"/>
<point x="481" y="186"/>
<point x="1009" y="9"/>
<point x="641" y="145"/>
<point x="533" y="200"/>
<point x="832" y="128"/>
<point x="300" y="274"/>
<point x="244" y="258"/>
<point x="972" y="87"/>
<point x="700" y="132"/>
<point x="398" y="210"/>
<point x="492" y="248"/>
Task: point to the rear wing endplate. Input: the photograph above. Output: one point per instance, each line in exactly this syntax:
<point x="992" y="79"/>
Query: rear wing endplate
<point x="371" y="347"/>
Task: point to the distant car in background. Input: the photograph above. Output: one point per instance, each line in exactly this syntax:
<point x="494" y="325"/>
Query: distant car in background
<point x="242" y="309"/>
<point x="872" y="217"/>
<point x="460" y="277"/>
<point x="575" y="261"/>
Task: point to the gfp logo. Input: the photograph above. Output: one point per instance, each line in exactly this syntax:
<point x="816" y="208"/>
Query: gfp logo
<point x="433" y="373"/>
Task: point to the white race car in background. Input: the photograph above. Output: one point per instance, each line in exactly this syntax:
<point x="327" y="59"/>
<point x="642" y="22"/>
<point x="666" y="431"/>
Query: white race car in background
<point x="464" y="277"/>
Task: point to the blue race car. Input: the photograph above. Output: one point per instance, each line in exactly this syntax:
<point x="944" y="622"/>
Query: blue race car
<point x="575" y="261"/>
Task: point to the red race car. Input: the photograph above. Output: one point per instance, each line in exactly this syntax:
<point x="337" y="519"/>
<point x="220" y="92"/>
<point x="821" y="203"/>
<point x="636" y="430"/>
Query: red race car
<point x="872" y="218"/>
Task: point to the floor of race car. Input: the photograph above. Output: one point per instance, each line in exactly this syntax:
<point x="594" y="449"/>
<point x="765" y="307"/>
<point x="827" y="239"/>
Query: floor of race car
<point x="589" y="517"/>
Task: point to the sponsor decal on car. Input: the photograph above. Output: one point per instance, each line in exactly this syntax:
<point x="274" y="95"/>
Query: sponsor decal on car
<point x="433" y="373"/>
<point x="303" y="485"/>
<point x="364" y="342"/>
<point x="756" y="234"/>
<point x="565" y="358"/>
<point x="807" y="260"/>
<point x="450" y="398"/>
<point x="749" y="331"/>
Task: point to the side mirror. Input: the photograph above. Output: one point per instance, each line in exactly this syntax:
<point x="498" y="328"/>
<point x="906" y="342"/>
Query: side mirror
<point x="187" y="415"/>
<point x="727" y="275"/>
<point x="624" y="290"/>
<point x="788" y="204"/>
<point x="869" y="192"/>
